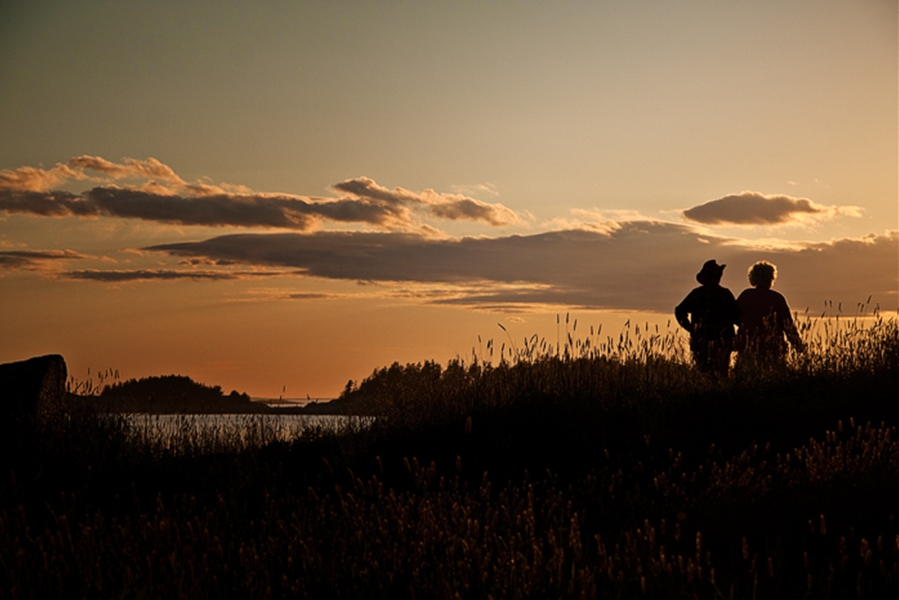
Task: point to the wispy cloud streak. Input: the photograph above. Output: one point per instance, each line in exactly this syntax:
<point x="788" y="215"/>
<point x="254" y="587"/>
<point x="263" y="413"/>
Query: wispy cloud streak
<point x="119" y="276"/>
<point x="34" y="260"/>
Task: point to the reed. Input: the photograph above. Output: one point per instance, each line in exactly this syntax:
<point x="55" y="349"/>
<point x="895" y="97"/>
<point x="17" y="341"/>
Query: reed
<point x="578" y="468"/>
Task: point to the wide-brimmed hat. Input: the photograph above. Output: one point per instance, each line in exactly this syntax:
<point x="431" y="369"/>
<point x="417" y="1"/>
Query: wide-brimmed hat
<point x="711" y="272"/>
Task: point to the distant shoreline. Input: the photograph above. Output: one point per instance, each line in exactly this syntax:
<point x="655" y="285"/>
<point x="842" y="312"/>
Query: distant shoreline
<point x="179" y="394"/>
<point x="333" y="406"/>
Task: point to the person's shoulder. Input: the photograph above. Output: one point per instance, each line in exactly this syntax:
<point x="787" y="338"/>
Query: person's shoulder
<point x="715" y="291"/>
<point x="696" y="291"/>
<point x="778" y="297"/>
<point x="689" y="299"/>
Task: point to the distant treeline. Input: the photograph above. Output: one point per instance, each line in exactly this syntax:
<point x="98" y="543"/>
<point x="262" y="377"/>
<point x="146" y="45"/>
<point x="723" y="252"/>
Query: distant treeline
<point x="179" y="394"/>
<point x="173" y="394"/>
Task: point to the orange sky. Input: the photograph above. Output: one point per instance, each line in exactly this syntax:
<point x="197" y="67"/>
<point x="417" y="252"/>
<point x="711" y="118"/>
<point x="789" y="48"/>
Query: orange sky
<point x="298" y="194"/>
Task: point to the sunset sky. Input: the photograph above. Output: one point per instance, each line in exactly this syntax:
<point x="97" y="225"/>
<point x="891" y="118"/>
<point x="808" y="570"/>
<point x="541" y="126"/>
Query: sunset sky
<point x="282" y="196"/>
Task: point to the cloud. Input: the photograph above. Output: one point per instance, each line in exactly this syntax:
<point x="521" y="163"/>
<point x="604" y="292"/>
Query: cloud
<point x="594" y="219"/>
<point x="258" y="294"/>
<point x="453" y="207"/>
<point x="165" y="197"/>
<point x="36" y="260"/>
<point x="36" y="179"/>
<point x="311" y="296"/>
<point x="641" y="265"/>
<point x="204" y="262"/>
<point x="119" y="276"/>
<point x="456" y="209"/>
<point x="363" y="187"/>
<point x="755" y="208"/>
<point x="592" y="259"/>
<point x="212" y="211"/>
<point x="478" y="188"/>
<point x="46" y="204"/>
<point x="130" y="167"/>
<point x="33" y="179"/>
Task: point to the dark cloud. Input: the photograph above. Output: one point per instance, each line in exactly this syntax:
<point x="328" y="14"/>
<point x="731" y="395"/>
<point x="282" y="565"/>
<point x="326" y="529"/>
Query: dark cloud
<point x="474" y="210"/>
<point x="638" y="266"/>
<point x="218" y="210"/>
<point x="310" y="296"/>
<point x="166" y="198"/>
<point x="621" y="264"/>
<point x="118" y="276"/>
<point x="205" y="262"/>
<point x="365" y="211"/>
<point x="29" y="260"/>
<point x="754" y="208"/>
<point x="847" y="270"/>
<point x="46" y="204"/>
<point x="452" y="207"/>
<point x="363" y="187"/>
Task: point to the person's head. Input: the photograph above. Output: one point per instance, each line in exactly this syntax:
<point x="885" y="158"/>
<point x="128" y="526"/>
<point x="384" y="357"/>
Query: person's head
<point x="762" y="274"/>
<point x="711" y="273"/>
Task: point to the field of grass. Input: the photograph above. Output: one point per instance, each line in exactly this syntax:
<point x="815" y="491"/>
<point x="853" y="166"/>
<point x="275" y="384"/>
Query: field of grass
<point x="591" y="467"/>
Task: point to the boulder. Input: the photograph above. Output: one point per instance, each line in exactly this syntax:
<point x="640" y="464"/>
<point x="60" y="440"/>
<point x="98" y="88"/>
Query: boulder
<point x="29" y="388"/>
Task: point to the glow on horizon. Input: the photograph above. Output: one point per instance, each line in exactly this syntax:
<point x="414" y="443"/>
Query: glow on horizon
<point x="297" y="194"/>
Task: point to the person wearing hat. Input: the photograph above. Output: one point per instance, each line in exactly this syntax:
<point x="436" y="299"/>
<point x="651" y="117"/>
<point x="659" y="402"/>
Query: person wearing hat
<point x="709" y="314"/>
<point x="766" y="324"/>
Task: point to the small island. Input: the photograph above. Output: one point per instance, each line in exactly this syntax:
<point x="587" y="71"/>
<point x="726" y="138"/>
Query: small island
<point x="179" y="394"/>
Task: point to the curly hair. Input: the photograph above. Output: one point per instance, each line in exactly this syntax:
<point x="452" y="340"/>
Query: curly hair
<point x="762" y="273"/>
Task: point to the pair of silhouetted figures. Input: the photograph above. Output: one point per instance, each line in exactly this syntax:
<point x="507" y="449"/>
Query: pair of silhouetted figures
<point x="760" y="315"/>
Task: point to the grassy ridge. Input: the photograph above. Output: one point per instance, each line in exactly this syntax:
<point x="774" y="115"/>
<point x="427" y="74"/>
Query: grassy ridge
<point x="590" y="470"/>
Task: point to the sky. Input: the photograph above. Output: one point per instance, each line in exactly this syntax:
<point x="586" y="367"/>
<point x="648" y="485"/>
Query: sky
<point x="280" y="197"/>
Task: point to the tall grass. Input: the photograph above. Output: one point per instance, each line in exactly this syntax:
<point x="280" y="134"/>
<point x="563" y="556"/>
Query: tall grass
<point x="559" y="469"/>
<point x="641" y="368"/>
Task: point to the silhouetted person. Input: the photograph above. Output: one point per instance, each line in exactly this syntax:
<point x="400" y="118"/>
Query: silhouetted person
<point x="765" y="321"/>
<point x="709" y="313"/>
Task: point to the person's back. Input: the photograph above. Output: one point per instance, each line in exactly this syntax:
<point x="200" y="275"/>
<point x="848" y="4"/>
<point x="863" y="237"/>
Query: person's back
<point x="765" y="320"/>
<point x="711" y="308"/>
<point x="709" y="314"/>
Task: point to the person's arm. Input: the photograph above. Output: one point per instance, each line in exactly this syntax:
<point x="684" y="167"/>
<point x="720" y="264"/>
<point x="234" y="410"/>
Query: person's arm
<point x="793" y="335"/>
<point x="734" y="311"/>
<point x="789" y="328"/>
<point x="682" y="312"/>
<point x="740" y="342"/>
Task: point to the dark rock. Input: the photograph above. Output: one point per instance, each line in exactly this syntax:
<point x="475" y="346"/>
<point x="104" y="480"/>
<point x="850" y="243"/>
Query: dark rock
<point x="29" y="388"/>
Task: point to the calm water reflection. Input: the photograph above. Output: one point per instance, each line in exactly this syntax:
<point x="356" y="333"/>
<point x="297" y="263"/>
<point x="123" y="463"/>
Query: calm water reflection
<point x="248" y="428"/>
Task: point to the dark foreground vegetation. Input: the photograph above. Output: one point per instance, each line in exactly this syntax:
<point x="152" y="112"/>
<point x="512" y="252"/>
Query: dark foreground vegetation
<point x="590" y="470"/>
